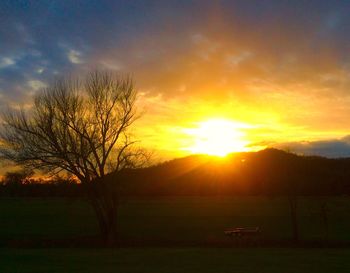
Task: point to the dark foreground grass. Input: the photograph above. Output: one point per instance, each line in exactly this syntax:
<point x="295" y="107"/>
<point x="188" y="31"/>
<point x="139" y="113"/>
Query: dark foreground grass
<point x="168" y="221"/>
<point x="173" y="260"/>
<point x="173" y="219"/>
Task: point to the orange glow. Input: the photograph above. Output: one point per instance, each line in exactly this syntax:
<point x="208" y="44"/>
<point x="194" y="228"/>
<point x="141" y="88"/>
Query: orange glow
<point x="217" y="137"/>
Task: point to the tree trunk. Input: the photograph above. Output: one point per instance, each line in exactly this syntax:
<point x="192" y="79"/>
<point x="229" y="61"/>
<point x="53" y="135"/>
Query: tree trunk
<point x="324" y="216"/>
<point x="105" y="204"/>
<point x="294" y="217"/>
<point x="112" y="226"/>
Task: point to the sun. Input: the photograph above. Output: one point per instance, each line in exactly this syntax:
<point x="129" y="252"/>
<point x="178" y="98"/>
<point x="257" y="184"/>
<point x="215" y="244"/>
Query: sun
<point x="217" y="137"/>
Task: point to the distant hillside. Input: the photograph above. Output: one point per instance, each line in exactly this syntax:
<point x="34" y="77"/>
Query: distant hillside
<point x="270" y="171"/>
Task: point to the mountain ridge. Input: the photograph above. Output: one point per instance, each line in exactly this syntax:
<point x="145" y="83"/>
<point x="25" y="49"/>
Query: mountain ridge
<point x="270" y="171"/>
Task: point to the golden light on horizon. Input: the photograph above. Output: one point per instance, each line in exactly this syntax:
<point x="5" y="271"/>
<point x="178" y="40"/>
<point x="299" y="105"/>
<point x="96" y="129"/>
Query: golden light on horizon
<point x="217" y="137"/>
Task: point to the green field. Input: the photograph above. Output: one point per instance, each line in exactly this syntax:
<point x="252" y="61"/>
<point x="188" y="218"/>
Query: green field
<point x="169" y="221"/>
<point x="180" y="219"/>
<point x="172" y="260"/>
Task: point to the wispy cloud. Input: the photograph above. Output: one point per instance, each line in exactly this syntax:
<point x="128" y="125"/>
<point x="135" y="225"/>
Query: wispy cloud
<point x="6" y="61"/>
<point x="328" y="148"/>
<point x="250" y="61"/>
<point x="74" y="56"/>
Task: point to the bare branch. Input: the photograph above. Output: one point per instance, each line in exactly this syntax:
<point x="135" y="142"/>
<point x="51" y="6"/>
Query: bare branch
<point x="78" y="127"/>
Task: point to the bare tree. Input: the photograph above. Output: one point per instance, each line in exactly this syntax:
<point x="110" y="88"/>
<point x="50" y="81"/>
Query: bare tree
<point x="80" y="127"/>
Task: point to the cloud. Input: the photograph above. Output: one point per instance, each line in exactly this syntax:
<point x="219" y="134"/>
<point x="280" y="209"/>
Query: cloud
<point x="235" y="60"/>
<point x="252" y="61"/>
<point x="36" y="85"/>
<point x="6" y="61"/>
<point x="328" y="148"/>
<point x="111" y="65"/>
<point x="74" y="56"/>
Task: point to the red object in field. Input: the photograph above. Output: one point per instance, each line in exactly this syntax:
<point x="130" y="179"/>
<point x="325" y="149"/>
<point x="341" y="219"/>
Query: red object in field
<point x="240" y="231"/>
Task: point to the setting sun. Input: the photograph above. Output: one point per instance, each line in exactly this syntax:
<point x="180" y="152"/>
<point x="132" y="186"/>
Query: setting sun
<point x="217" y="137"/>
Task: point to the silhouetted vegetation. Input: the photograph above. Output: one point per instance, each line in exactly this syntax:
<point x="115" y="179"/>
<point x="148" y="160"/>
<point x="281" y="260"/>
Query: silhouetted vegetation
<point x="81" y="128"/>
<point x="269" y="172"/>
<point x="20" y="184"/>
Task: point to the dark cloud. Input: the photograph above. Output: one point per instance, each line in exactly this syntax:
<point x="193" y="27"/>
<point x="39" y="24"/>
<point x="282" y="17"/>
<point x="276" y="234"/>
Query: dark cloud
<point x="328" y="148"/>
<point x="290" y="57"/>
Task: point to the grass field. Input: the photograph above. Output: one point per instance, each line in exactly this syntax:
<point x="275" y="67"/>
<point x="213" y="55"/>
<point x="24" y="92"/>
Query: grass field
<point x="188" y="220"/>
<point x="180" y="219"/>
<point x="172" y="260"/>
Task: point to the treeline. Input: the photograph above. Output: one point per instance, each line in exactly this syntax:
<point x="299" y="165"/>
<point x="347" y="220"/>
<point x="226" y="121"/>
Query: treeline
<point x="268" y="172"/>
<point x="21" y="184"/>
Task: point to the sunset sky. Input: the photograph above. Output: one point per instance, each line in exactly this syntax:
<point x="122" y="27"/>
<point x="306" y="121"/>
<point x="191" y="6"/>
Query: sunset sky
<point x="273" y="73"/>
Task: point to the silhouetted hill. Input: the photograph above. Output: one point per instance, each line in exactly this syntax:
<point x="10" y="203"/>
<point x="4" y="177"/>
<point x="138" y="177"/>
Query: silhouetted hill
<point x="269" y="171"/>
